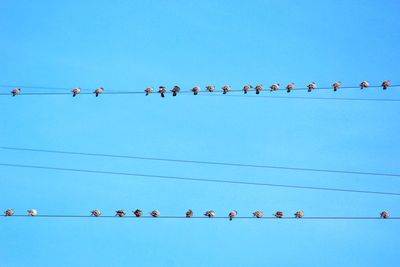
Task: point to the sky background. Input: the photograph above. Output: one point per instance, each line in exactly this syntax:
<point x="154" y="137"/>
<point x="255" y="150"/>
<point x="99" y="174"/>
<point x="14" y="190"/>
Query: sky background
<point x="129" y="45"/>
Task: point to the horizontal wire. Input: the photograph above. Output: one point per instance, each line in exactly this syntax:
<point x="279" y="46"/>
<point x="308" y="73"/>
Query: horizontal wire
<point x="200" y="179"/>
<point x="205" y="217"/>
<point x="198" y="161"/>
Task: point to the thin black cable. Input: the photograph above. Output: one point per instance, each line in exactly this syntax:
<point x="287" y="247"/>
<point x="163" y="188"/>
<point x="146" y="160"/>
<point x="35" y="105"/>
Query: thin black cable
<point x="206" y="218"/>
<point x="199" y="162"/>
<point x="200" y="179"/>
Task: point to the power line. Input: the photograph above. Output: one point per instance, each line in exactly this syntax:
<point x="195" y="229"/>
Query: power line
<point x="206" y="218"/>
<point x="199" y="162"/>
<point x="200" y="179"/>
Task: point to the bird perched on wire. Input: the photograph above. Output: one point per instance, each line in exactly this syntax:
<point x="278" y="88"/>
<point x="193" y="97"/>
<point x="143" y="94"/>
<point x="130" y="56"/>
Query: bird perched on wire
<point x="278" y="214"/>
<point x="99" y="91"/>
<point x="120" y="213"/>
<point x="95" y="213"/>
<point x="9" y="212"/>
<point x="274" y="87"/>
<point x="247" y="88"/>
<point x="311" y="86"/>
<point x="299" y="214"/>
<point x="232" y="214"/>
<point x="189" y="214"/>
<point x="258" y="214"/>
<point x="386" y="84"/>
<point x="226" y="89"/>
<point x="76" y="91"/>
<point x="259" y="88"/>
<point x="148" y="90"/>
<point x="32" y="212"/>
<point x="385" y="215"/>
<point x="155" y="213"/>
<point x="16" y="91"/>
<point x="162" y="90"/>
<point x="364" y="84"/>
<point x="210" y="213"/>
<point x="210" y="88"/>
<point x="290" y="87"/>
<point x="175" y="90"/>
<point x="196" y="90"/>
<point x="336" y="85"/>
<point x="138" y="213"/>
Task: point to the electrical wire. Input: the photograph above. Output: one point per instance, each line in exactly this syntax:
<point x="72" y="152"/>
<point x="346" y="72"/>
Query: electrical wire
<point x="199" y="162"/>
<point x="204" y="217"/>
<point x="200" y="179"/>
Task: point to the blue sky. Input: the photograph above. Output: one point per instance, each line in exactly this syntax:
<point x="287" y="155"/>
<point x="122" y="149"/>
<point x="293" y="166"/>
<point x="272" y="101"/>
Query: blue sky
<point x="129" y="45"/>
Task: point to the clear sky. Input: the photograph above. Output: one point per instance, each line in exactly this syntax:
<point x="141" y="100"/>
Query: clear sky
<point x="128" y="45"/>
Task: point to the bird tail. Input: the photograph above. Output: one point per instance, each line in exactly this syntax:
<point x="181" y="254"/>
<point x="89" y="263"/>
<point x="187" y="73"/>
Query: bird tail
<point x="257" y="92"/>
<point x="97" y="94"/>
<point x="162" y="95"/>
<point x="74" y="94"/>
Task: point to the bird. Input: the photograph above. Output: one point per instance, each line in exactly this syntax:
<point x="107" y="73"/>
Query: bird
<point x="311" y="86"/>
<point x="364" y="84"/>
<point x="210" y="213"/>
<point x="196" y="90"/>
<point x="336" y="85"/>
<point x="138" y="213"/>
<point x="232" y="215"/>
<point x="385" y="215"/>
<point x="278" y="214"/>
<point x="274" y="87"/>
<point x="247" y="88"/>
<point x="226" y="89"/>
<point x="155" y="213"/>
<point x="95" y="213"/>
<point x="16" y="91"/>
<point x="259" y="88"/>
<point x="189" y="214"/>
<point x="32" y="212"/>
<point x="299" y="214"/>
<point x="120" y="213"/>
<point x="386" y="84"/>
<point x="210" y="88"/>
<point x="148" y="90"/>
<point x="290" y="87"/>
<point x="175" y="90"/>
<point x="99" y="91"/>
<point x="162" y="90"/>
<point x="76" y="91"/>
<point x="9" y="212"/>
<point x="258" y="214"/>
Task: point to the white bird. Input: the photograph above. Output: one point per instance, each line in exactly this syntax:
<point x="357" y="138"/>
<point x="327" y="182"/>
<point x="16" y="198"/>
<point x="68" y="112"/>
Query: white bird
<point x="155" y="213"/>
<point x="148" y="90"/>
<point x="311" y="86"/>
<point x="32" y="212"/>
<point x="76" y="91"/>
<point x="275" y="87"/>
<point x="99" y="91"/>
<point x="258" y="214"/>
<point x="210" y="213"/>
<point x="210" y="88"/>
<point x="336" y="86"/>
<point x="290" y="87"/>
<point x="95" y="213"/>
<point x="196" y="90"/>
<point x="9" y="212"/>
<point x="16" y="91"/>
<point x="364" y="84"/>
<point x="299" y="214"/>
<point x="247" y="88"/>
<point x="226" y="89"/>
